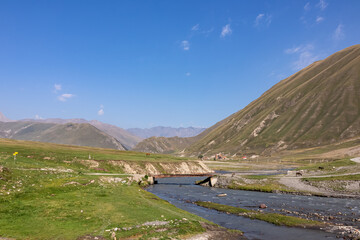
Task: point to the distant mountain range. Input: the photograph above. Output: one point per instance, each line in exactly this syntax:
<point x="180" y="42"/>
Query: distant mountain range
<point x="82" y="134"/>
<point x="316" y="106"/>
<point x="127" y="139"/>
<point x="3" y="118"/>
<point x="48" y="130"/>
<point x="165" y="132"/>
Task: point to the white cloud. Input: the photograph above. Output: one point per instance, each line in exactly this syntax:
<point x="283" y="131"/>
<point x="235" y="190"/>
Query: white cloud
<point x="57" y="87"/>
<point x="101" y="111"/>
<point x="305" y="56"/>
<point x="187" y="74"/>
<point x="195" y="27"/>
<point x="322" y="4"/>
<point x="185" y="45"/>
<point x="263" y="19"/>
<point x="258" y="18"/>
<point x="292" y="50"/>
<point x="319" y="19"/>
<point x="66" y="96"/>
<point x="226" y="30"/>
<point x="339" y="33"/>
<point x="307" y="6"/>
<point x="37" y="117"/>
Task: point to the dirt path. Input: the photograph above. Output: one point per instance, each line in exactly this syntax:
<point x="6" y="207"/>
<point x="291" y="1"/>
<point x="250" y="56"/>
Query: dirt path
<point x="297" y="184"/>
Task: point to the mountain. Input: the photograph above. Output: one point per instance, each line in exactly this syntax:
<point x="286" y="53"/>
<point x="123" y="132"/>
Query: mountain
<point x="170" y="144"/>
<point x="81" y="134"/>
<point x="124" y="137"/>
<point x="165" y="132"/>
<point x="163" y="145"/>
<point x="3" y="118"/>
<point x="315" y="106"/>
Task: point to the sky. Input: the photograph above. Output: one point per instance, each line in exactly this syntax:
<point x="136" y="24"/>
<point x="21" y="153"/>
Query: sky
<point x="149" y="63"/>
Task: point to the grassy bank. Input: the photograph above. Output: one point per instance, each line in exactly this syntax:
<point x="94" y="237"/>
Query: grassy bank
<point x="274" y="218"/>
<point x="45" y="196"/>
<point x="258" y="183"/>
<point x="67" y="152"/>
<point x="329" y="166"/>
<point x="353" y="177"/>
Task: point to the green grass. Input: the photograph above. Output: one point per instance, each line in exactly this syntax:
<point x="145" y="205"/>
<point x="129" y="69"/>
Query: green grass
<point x="38" y="204"/>
<point x="269" y="186"/>
<point x="222" y="207"/>
<point x="353" y="177"/>
<point x="68" y="152"/>
<point x="257" y="176"/>
<point x="274" y="218"/>
<point x="35" y="155"/>
<point x="327" y="166"/>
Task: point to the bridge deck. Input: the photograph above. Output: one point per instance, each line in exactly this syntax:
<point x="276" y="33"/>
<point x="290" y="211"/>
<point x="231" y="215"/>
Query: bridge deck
<point x="183" y="175"/>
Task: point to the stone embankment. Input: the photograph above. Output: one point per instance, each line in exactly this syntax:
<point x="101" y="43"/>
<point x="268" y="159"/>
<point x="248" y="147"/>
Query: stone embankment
<point x="148" y="168"/>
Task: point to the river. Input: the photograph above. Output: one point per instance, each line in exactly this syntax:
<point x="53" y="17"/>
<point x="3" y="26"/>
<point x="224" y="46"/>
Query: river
<point x="181" y="192"/>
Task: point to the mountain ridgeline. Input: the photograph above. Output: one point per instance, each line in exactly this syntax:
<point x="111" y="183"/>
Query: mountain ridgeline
<point x="81" y="134"/>
<point x="166" y="132"/>
<point x="127" y="139"/>
<point x="91" y="133"/>
<point x="316" y="106"/>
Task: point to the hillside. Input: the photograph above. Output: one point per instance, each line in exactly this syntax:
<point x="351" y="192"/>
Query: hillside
<point x="317" y="105"/>
<point x="82" y="134"/>
<point x="57" y="186"/>
<point x="124" y="137"/>
<point x="3" y="118"/>
<point x="165" y="132"/>
<point x="170" y="144"/>
<point x="163" y="145"/>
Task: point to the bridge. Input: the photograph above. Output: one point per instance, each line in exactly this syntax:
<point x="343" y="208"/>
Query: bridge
<point x="182" y="175"/>
<point x="154" y="177"/>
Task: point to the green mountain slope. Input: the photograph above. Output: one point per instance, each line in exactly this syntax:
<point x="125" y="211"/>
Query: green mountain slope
<point x="82" y="134"/>
<point x="126" y="138"/>
<point x="318" y="105"/>
<point x="163" y="145"/>
<point x="170" y="144"/>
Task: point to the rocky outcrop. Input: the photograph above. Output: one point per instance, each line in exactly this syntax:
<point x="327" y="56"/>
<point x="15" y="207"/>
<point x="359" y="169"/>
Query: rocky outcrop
<point x="155" y="168"/>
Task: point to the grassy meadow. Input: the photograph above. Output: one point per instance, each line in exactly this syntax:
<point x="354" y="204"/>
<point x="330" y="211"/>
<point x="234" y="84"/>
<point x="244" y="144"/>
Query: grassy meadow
<point x="44" y="194"/>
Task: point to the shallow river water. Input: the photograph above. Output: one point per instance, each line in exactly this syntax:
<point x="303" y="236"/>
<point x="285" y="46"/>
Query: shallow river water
<point x="182" y="191"/>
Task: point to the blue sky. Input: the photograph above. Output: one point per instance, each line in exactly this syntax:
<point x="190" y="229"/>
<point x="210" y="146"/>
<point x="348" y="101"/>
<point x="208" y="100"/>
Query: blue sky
<point x="149" y="63"/>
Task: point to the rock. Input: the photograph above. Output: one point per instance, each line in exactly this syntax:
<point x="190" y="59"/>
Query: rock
<point x="113" y="236"/>
<point x="222" y="195"/>
<point x="262" y="206"/>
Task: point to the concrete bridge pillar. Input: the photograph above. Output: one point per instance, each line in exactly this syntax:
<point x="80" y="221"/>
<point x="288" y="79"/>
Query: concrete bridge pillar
<point x="213" y="181"/>
<point x="151" y="180"/>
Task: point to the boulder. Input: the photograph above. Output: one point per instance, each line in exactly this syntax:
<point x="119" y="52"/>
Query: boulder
<point x="262" y="206"/>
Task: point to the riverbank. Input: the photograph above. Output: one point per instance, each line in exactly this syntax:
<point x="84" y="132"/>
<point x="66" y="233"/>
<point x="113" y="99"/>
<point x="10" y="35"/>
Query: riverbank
<point x="339" y="213"/>
<point x="335" y="178"/>
<point x="75" y="197"/>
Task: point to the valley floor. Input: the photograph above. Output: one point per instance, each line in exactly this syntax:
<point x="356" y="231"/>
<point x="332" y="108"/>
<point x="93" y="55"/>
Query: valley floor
<point x="337" y="178"/>
<point x="50" y="192"/>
